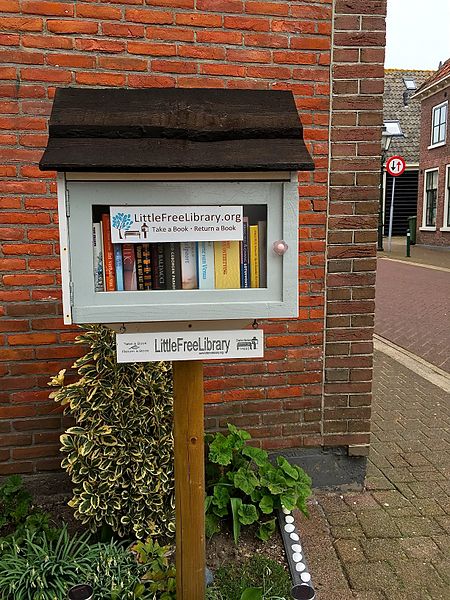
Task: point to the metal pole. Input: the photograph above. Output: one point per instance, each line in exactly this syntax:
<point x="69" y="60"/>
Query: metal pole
<point x="408" y="243"/>
<point x="380" y="208"/>
<point x="391" y="216"/>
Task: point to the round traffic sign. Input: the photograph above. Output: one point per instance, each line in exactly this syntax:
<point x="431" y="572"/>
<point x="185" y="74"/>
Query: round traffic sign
<point x="396" y="165"/>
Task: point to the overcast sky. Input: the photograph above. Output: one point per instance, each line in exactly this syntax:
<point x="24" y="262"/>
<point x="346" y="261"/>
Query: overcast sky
<point x="418" y="33"/>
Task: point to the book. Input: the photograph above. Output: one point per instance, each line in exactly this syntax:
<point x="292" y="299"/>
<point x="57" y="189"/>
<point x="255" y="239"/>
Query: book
<point x="97" y="244"/>
<point x="245" y="255"/>
<point x="129" y="267"/>
<point x="158" y="266"/>
<point x="118" y="263"/>
<point x="172" y="265"/>
<point x="227" y="272"/>
<point x="205" y="258"/>
<point x="147" y="266"/>
<point x="254" y="256"/>
<point x="189" y="276"/>
<point x="108" y="254"/>
<point x="139" y="267"/>
<point x="262" y="245"/>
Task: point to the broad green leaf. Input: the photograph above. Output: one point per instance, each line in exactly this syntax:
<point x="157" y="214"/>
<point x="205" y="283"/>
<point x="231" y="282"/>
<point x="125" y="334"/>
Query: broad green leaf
<point x="252" y="594"/>
<point x="266" y="530"/>
<point x="248" y="514"/>
<point x="287" y="467"/>
<point x="266" y="504"/>
<point x="221" y="496"/>
<point x="245" y="480"/>
<point x="256" y="454"/>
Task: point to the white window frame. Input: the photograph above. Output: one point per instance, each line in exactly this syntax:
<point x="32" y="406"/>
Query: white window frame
<point x="426" y="227"/>
<point x="446" y="220"/>
<point x="433" y="113"/>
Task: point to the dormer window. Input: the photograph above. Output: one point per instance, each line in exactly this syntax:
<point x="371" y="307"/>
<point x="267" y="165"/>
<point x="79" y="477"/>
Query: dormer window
<point x="410" y="83"/>
<point x="439" y="124"/>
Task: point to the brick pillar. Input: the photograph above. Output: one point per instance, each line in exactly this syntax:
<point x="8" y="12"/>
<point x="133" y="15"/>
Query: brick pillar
<point x="356" y="119"/>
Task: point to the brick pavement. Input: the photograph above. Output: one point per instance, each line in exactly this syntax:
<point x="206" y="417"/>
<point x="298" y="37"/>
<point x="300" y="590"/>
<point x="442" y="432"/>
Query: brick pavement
<point x="391" y="542"/>
<point x="413" y="309"/>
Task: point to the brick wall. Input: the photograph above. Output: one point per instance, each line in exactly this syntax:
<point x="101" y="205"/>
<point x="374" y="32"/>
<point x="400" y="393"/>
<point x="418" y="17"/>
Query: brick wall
<point x="211" y="43"/>
<point x="357" y="104"/>
<point x="430" y="159"/>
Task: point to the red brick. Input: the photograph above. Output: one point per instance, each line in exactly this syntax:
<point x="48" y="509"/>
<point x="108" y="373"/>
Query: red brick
<point x="172" y="34"/>
<point x="103" y="13"/>
<point x="198" y="20"/>
<point x="223" y="6"/>
<point x="50" y="75"/>
<point x="9" y="6"/>
<point x="148" y="48"/>
<point x="202" y="52"/>
<point x="71" y="60"/>
<point x="126" y="64"/>
<point x="246" y="23"/>
<point x="172" y="66"/>
<point x="48" y="9"/>
<point x="149" y="16"/>
<point x="108" y="79"/>
<point x="21" y="24"/>
<point x="125" y="31"/>
<point x="43" y="41"/>
<point x="56" y="26"/>
<point x="267" y="8"/>
<point x="150" y="81"/>
<point x="99" y="45"/>
<point x="219" y="37"/>
<point x="30" y="249"/>
<point x="23" y="280"/>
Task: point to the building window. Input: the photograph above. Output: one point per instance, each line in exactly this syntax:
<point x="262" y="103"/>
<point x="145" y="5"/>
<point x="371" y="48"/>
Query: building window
<point x="439" y="127"/>
<point x="430" y="199"/>
<point x="447" y="200"/>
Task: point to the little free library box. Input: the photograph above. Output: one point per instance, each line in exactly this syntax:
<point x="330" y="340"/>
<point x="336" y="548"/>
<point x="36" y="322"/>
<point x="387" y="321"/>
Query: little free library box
<point x="177" y="204"/>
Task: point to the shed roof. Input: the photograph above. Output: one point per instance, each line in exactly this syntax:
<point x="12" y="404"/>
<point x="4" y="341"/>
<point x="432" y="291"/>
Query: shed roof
<point x="408" y="114"/>
<point x="173" y="129"/>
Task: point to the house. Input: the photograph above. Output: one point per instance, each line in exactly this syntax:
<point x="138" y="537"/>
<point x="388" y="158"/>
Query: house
<point x="310" y="397"/>
<point x="433" y="210"/>
<point x="399" y="107"/>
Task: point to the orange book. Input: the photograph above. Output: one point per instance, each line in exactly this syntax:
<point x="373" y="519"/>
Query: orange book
<point x="108" y="255"/>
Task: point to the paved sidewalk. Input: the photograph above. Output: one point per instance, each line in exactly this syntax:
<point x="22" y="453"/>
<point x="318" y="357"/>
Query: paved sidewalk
<point x="391" y="542"/>
<point x="426" y="255"/>
<point x="413" y="309"/>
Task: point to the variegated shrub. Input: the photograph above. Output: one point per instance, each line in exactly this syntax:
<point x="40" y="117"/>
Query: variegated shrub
<point x="119" y="454"/>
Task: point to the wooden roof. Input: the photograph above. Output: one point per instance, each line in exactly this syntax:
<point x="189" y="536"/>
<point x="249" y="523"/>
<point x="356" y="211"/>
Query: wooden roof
<point x="174" y="129"/>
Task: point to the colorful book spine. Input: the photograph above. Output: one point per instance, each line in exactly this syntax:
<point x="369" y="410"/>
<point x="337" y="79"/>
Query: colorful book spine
<point x="147" y="266"/>
<point x="205" y="255"/>
<point x="173" y="265"/>
<point x="139" y="268"/>
<point x="245" y="256"/>
<point x="118" y="263"/>
<point x="227" y="265"/>
<point x="158" y="266"/>
<point x="262" y="253"/>
<point x="129" y="267"/>
<point x="108" y="254"/>
<point x="97" y="243"/>
<point x="254" y="256"/>
<point x="189" y="275"/>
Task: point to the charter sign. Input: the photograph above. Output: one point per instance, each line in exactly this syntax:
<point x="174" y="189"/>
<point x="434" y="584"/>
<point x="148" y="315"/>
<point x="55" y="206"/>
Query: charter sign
<point x="142" y="224"/>
<point x="192" y="345"/>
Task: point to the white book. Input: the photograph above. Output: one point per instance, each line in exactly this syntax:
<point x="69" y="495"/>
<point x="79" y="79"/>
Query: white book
<point x="189" y="276"/>
<point x="206" y="265"/>
<point x="97" y="243"/>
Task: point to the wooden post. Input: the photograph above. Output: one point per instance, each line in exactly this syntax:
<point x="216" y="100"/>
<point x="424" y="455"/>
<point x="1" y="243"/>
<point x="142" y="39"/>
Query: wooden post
<point x="189" y="479"/>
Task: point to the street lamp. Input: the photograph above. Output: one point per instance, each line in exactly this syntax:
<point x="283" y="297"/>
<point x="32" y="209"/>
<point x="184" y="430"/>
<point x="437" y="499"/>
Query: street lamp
<point x="391" y="130"/>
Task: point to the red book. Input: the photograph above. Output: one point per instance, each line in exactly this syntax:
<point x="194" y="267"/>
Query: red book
<point x="129" y="267"/>
<point x="108" y="255"/>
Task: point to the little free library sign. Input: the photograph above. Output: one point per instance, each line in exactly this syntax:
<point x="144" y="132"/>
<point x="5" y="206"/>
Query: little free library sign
<point x="137" y="224"/>
<point x="191" y="345"/>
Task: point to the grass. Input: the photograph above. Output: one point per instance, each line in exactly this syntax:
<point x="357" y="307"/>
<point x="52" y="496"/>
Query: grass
<point x="231" y="580"/>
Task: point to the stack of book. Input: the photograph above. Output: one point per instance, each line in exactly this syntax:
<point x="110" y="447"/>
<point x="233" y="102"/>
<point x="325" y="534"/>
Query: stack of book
<point x="180" y="265"/>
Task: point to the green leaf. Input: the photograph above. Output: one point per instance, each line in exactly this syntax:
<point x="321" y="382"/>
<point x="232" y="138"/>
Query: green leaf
<point x="236" y="503"/>
<point x="266" y="504"/>
<point x="260" y="457"/>
<point x="221" y="496"/>
<point x="245" y="480"/>
<point x="252" y="594"/>
<point x="248" y="514"/>
<point x="266" y="530"/>
<point x="289" y="500"/>
<point x="287" y="467"/>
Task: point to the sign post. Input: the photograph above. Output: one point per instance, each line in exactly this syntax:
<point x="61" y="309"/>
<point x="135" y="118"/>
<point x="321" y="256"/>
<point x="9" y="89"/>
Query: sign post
<point x="395" y="166"/>
<point x="189" y="479"/>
